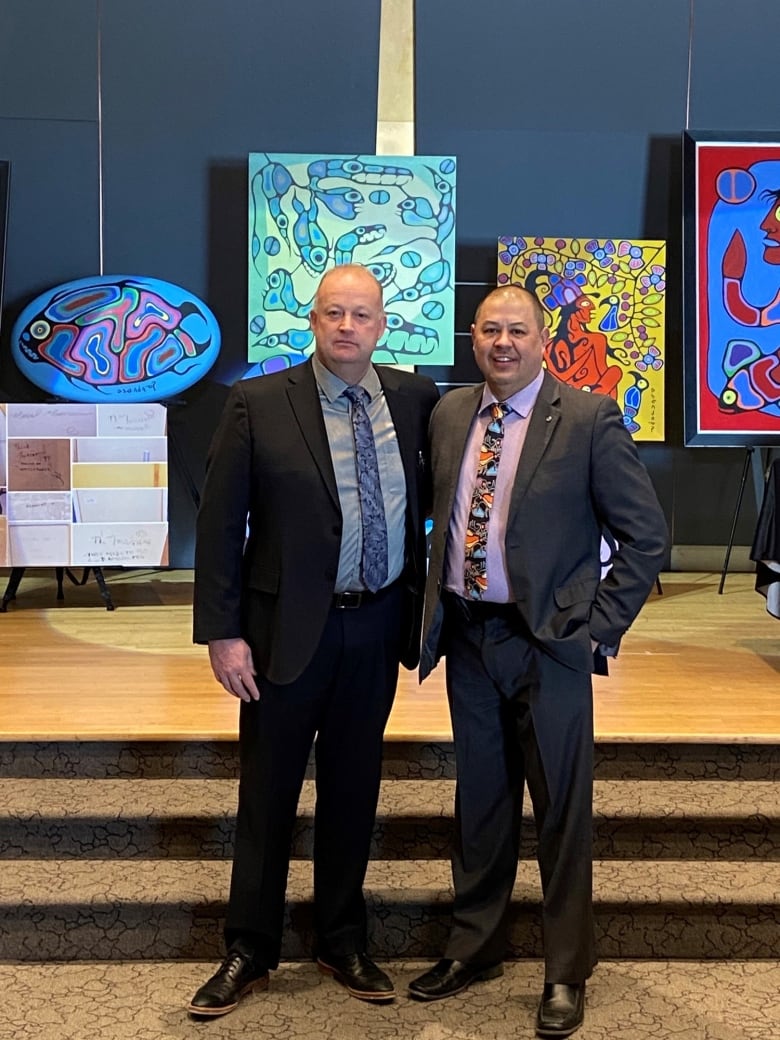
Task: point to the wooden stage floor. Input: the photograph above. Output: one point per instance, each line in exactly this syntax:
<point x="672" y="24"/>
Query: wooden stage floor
<point x="696" y="667"/>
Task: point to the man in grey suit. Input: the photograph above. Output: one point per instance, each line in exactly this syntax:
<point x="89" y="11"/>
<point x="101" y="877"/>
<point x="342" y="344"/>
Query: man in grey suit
<point x="309" y="572"/>
<point x="528" y="473"/>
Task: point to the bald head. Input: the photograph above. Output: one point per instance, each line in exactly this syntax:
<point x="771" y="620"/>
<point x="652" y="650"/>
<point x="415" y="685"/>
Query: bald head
<point x="514" y="292"/>
<point x="349" y="274"/>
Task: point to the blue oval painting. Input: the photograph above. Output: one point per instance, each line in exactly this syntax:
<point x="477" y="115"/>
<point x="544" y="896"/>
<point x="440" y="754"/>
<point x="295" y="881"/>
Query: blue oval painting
<point x="115" y="338"/>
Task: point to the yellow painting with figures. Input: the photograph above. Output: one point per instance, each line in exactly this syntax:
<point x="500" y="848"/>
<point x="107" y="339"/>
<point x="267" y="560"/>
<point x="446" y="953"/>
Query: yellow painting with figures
<point x="604" y="302"/>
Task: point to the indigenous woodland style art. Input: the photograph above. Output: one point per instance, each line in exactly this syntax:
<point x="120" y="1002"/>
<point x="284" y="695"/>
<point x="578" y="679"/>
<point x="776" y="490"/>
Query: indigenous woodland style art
<point x="83" y="484"/>
<point x="605" y="303"/>
<point x="732" y="289"/>
<point x="115" y="338"/>
<point x="393" y="214"/>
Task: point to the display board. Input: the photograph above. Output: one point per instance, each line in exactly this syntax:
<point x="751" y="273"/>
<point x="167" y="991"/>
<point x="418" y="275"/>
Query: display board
<point x="83" y="484"/>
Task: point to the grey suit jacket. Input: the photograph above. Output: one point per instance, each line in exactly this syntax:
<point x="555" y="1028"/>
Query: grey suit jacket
<point x="270" y="468"/>
<point x="578" y="474"/>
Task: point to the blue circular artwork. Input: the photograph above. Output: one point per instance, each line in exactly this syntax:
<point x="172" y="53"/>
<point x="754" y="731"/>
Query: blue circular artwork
<point x="115" y="338"/>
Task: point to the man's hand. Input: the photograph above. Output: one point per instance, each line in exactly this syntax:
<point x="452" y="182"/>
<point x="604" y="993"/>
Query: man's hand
<point x="231" y="662"/>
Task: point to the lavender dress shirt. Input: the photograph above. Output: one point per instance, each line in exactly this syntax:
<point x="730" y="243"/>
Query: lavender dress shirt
<point x="499" y="589"/>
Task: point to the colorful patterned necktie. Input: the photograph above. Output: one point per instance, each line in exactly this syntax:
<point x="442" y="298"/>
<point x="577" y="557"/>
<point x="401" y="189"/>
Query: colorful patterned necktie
<point x="373" y="565"/>
<point x="475" y="565"/>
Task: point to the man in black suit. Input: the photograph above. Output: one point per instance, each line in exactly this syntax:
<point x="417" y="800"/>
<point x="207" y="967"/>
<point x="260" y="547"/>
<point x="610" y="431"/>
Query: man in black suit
<point x="308" y="621"/>
<point x="527" y="474"/>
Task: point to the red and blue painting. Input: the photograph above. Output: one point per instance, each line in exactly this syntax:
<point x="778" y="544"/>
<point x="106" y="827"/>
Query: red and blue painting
<point x="732" y="289"/>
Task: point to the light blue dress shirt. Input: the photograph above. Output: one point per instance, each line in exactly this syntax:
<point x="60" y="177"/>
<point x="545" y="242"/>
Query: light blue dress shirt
<point x="338" y="425"/>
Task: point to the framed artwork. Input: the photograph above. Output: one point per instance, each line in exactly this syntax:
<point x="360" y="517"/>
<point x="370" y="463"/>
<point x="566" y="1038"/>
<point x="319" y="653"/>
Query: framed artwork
<point x="394" y="215"/>
<point x="732" y="288"/>
<point x="604" y="302"/>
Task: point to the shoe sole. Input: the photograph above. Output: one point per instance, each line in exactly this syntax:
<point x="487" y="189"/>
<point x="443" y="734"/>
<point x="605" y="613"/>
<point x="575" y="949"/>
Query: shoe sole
<point x="484" y="976"/>
<point x="375" y="996"/>
<point x="256" y="984"/>
<point x="557" y="1032"/>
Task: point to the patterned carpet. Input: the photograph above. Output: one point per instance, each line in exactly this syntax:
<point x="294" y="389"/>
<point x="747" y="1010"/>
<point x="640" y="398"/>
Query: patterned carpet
<point x="640" y="1000"/>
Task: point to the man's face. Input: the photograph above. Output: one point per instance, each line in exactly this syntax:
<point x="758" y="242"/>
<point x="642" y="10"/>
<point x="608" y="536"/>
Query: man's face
<point x="347" y="320"/>
<point x="508" y="343"/>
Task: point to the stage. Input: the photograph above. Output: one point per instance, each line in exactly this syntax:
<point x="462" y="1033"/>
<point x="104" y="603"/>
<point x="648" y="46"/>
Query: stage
<point x="696" y="667"/>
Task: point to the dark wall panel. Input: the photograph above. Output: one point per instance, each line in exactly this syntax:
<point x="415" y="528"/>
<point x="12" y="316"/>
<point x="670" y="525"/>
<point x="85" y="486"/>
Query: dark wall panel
<point x="550" y="65"/>
<point x="48" y="59"/>
<point x="734" y="66"/>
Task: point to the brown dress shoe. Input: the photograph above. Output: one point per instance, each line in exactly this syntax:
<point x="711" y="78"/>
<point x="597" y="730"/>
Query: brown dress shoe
<point x="236" y="976"/>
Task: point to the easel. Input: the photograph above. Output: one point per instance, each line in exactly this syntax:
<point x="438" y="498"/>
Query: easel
<point x="17" y="573"/>
<point x="754" y="459"/>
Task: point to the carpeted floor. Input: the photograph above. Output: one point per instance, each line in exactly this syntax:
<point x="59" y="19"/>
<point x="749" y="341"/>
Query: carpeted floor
<point x="638" y="1000"/>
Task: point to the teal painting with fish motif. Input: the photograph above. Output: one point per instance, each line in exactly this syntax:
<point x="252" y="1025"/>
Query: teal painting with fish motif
<point x="394" y="215"/>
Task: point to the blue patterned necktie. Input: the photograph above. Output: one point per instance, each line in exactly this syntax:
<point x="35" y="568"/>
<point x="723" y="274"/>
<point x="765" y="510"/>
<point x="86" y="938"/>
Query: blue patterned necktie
<point x="475" y="564"/>
<point x="373" y="564"/>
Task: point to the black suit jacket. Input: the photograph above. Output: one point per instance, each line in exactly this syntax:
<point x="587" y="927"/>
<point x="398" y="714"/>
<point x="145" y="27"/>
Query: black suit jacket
<point x="578" y="474"/>
<point x="270" y="467"/>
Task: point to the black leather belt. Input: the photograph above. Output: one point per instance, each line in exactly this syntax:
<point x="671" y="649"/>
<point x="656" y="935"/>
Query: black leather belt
<point x="353" y="600"/>
<point x="480" y="609"/>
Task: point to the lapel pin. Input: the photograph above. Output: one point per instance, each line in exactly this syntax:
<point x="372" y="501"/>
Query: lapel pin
<point x="548" y="419"/>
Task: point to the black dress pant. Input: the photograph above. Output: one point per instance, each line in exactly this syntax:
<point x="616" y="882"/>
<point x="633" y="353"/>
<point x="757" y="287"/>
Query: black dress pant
<point x="341" y="702"/>
<point x="518" y="715"/>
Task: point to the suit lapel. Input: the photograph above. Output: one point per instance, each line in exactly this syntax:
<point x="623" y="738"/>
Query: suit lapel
<point x="303" y="394"/>
<point x="450" y="459"/>
<point x="544" y="418"/>
<point x="460" y="426"/>
<point x="403" y="408"/>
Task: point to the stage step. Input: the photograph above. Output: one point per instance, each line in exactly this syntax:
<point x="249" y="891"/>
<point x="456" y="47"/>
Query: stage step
<point x="182" y="819"/>
<point x="403" y="760"/>
<point x="53" y="910"/>
<point x="112" y="852"/>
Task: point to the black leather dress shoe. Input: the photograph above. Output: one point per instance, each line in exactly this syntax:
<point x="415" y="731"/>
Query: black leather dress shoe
<point x="449" y="977"/>
<point x="359" y="976"/>
<point x="561" y="1009"/>
<point x="236" y="976"/>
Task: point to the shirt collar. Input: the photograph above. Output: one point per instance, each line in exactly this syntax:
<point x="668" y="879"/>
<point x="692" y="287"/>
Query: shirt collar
<point x="522" y="402"/>
<point x="333" y="386"/>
